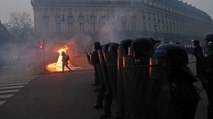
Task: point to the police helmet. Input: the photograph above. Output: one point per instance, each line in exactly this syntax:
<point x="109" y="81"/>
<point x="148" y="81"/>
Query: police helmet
<point x="142" y="47"/>
<point x="113" y="47"/>
<point x="105" y="48"/>
<point x="172" y="52"/>
<point x="209" y="37"/>
<point x="125" y="44"/>
<point x="97" y="45"/>
<point x="196" y="42"/>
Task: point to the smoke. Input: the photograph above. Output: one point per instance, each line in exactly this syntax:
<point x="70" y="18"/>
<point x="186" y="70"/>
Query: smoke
<point x="109" y="29"/>
<point x="18" y="58"/>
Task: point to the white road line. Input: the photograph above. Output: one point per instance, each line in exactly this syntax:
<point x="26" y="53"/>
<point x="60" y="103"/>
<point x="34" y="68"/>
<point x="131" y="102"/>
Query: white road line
<point x="11" y="87"/>
<point x="8" y="82"/>
<point x="13" y="80"/>
<point x="2" y="102"/>
<point x="13" y="84"/>
<point x="6" y="96"/>
<point x="17" y="77"/>
<point x="9" y="91"/>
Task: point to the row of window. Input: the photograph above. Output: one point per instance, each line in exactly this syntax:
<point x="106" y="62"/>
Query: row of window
<point x="94" y="27"/>
<point x="71" y="27"/>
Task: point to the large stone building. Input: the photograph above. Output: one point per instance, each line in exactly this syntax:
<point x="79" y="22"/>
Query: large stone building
<point x="163" y="19"/>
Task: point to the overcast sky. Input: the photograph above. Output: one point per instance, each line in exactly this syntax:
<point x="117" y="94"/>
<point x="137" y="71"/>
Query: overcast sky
<point x="8" y="6"/>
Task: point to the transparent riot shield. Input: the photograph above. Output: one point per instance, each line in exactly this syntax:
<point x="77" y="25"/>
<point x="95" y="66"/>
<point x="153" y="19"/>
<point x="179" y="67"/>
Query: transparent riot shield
<point x="111" y="66"/>
<point x="104" y="71"/>
<point x="122" y="102"/>
<point x="147" y="91"/>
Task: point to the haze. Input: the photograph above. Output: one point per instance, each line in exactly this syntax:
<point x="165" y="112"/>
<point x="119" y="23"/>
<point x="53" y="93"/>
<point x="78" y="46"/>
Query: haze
<point x="8" y="6"/>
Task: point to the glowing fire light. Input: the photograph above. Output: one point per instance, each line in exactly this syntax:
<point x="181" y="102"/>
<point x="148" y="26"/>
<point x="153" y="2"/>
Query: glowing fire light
<point x="56" y="67"/>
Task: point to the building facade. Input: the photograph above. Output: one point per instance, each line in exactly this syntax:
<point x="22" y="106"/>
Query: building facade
<point x="161" y="19"/>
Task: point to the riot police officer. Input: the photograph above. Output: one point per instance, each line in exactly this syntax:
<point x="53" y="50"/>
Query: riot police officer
<point x="208" y="62"/>
<point x="183" y="92"/>
<point x="136" y="79"/>
<point x="122" y="52"/>
<point x="95" y="61"/>
<point x="198" y="53"/>
<point x="105" y="92"/>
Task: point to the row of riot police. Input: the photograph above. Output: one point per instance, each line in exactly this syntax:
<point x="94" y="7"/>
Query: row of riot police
<point x="145" y="80"/>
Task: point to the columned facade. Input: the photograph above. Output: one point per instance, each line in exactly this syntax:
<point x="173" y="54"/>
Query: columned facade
<point x="161" y="19"/>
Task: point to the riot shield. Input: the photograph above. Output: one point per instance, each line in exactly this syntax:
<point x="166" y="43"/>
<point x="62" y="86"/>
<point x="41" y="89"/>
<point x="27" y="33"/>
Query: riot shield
<point x="122" y="103"/>
<point x="111" y="65"/>
<point x="148" y="96"/>
<point x="104" y="71"/>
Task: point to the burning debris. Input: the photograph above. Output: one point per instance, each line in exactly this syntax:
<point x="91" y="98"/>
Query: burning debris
<point x="57" y="66"/>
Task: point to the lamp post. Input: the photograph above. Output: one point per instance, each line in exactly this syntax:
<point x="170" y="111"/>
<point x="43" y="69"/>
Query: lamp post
<point x="156" y="32"/>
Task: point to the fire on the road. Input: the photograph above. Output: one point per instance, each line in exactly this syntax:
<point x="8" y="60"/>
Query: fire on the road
<point x="56" y="67"/>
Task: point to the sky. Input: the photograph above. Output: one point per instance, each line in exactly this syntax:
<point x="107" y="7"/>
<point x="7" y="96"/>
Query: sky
<point x="9" y="6"/>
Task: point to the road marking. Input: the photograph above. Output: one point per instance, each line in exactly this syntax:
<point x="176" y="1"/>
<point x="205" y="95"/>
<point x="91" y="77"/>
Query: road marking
<point x="11" y="87"/>
<point x="2" y="102"/>
<point x="20" y="81"/>
<point x="6" y="96"/>
<point x="13" y="84"/>
<point x="9" y="91"/>
<point x="5" y="78"/>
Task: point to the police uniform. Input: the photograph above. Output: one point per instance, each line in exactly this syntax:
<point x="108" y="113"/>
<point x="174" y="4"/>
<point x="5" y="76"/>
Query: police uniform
<point x="198" y="53"/>
<point x="183" y="93"/>
<point x="209" y="74"/>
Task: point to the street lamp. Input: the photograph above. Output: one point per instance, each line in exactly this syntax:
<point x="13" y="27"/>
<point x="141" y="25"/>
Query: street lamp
<point x="156" y="33"/>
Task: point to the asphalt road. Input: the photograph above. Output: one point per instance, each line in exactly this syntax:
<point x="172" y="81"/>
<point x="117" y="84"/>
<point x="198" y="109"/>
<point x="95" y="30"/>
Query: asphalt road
<point x="54" y="96"/>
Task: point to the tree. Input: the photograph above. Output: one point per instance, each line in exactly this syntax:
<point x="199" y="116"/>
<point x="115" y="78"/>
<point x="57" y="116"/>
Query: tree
<point x="20" y="25"/>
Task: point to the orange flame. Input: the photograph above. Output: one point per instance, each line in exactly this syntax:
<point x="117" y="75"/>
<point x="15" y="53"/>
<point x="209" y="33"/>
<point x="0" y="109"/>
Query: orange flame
<point x="56" y="67"/>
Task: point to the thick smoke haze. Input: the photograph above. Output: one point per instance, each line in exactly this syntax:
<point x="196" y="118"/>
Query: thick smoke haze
<point x="29" y="55"/>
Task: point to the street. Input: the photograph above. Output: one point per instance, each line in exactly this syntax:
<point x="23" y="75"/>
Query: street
<point x="51" y="96"/>
<point x="56" y="96"/>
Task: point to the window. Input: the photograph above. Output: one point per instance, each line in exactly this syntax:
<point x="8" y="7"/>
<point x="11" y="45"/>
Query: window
<point x="46" y="12"/>
<point x="113" y="12"/>
<point x="46" y="27"/>
<point x="124" y="26"/>
<point x="133" y="12"/>
<point x="58" y="12"/>
<point x="92" y="13"/>
<point x="93" y="27"/>
<point x="134" y="26"/>
<point x="81" y="13"/>
<point x="70" y="14"/>
<point x="103" y="14"/>
<point x="58" y="27"/>
<point x="81" y="27"/>
<point x="70" y="27"/>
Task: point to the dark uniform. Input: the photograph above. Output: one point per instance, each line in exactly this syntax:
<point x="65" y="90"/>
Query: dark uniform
<point x="208" y="62"/>
<point x="183" y="93"/>
<point x="95" y="61"/>
<point x="198" y="53"/>
<point x="122" y="105"/>
<point x="105" y="92"/>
